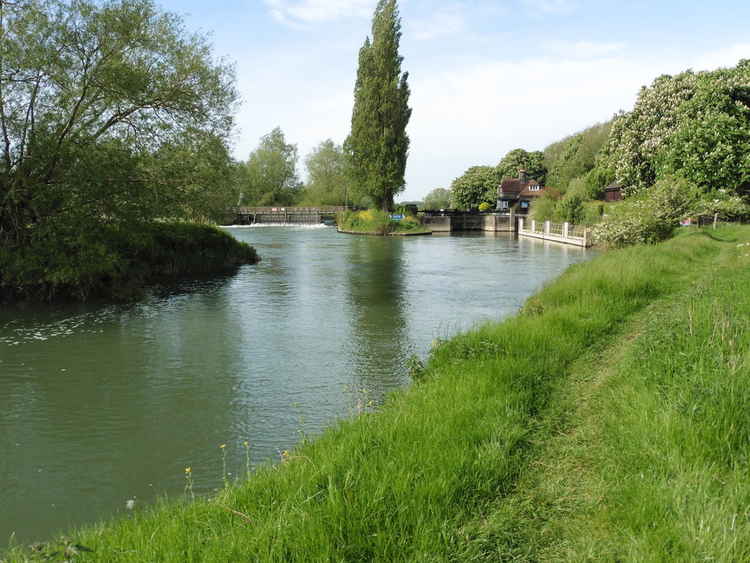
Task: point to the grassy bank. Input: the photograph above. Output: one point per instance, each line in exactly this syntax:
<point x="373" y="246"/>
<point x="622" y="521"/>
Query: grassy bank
<point x="112" y="262"/>
<point x="373" y="221"/>
<point x="607" y="421"/>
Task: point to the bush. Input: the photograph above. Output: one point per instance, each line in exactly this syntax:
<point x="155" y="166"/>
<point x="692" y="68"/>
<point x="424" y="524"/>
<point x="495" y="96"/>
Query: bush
<point x="484" y="206"/>
<point x="570" y="209"/>
<point x="374" y="221"/>
<point x="650" y="216"/>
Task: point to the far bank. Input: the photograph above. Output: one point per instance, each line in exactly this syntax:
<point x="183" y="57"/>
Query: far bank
<point x="114" y="262"/>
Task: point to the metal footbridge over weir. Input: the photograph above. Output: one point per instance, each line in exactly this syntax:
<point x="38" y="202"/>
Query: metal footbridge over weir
<point x="286" y="215"/>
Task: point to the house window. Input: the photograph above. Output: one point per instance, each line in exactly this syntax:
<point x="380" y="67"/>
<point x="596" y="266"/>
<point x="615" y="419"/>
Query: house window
<point x="503" y="205"/>
<point x="524" y="205"/>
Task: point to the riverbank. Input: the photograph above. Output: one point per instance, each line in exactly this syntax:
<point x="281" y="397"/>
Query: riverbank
<point x="447" y="470"/>
<point x="114" y="263"/>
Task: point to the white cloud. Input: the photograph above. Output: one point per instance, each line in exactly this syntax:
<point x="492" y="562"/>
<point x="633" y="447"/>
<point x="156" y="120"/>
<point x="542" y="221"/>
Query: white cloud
<point x="316" y="11"/>
<point x="468" y="116"/>
<point x="449" y="20"/>
<point x="551" y="6"/>
<point x="583" y="49"/>
<point x="727" y="57"/>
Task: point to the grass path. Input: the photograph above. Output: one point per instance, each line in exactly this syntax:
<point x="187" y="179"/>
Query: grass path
<point x="643" y="453"/>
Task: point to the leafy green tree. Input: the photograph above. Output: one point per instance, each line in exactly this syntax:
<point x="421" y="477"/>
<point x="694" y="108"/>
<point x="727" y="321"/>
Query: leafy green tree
<point x="570" y="209"/>
<point x="194" y="175"/>
<point x="378" y="145"/>
<point x="518" y="159"/>
<point x="477" y="185"/>
<point x="695" y="125"/>
<point x="89" y="93"/>
<point x="271" y="172"/>
<point x="439" y="198"/>
<point x="328" y="181"/>
<point x="574" y="156"/>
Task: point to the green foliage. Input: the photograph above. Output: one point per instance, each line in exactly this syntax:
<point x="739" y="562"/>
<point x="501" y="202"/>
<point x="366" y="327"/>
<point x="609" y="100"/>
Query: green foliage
<point x="570" y="209"/>
<point x="194" y="175"/>
<point x="543" y="208"/>
<point x="98" y="93"/>
<point x="515" y="160"/>
<point x="328" y="179"/>
<point x="375" y="221"/>
<point x="378" y="145"/>
<point x="435" y="475"/>
<point x="62" y="262"/>
<point x="439" y="198"/>
<point x="651" y="216"/>
<point x="270" y="174"/>
<point x="723" y="205"/>
<point x="484" y="206"/>
<point x="696" y="125"/>
<point x="477" y="185"/>
<point x="574" y="157"/>
<point x="593" y="212"/>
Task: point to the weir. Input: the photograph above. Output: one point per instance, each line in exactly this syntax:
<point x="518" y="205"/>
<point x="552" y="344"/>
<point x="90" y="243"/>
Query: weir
<point x="285" y="215"/>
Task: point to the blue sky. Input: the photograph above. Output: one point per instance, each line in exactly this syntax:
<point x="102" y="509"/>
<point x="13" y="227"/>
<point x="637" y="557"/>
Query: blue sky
<point x="487" y="76"/>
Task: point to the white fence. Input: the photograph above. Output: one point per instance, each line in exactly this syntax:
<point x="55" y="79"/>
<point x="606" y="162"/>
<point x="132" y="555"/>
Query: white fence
<point x="564" y="233"/>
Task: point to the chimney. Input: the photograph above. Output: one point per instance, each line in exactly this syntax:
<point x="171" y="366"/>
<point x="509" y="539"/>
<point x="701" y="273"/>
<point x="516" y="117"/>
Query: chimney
<point x="523" y="176"/>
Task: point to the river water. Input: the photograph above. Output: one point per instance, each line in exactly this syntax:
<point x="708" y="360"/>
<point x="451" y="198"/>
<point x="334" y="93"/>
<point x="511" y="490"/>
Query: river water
<point x="101" y="405"/>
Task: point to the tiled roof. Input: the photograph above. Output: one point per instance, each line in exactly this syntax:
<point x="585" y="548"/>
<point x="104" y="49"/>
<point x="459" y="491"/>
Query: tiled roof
<point x="514" y="187"/>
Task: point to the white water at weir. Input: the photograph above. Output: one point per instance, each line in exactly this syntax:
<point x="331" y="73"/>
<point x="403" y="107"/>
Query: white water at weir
<point x="294" y="226"/>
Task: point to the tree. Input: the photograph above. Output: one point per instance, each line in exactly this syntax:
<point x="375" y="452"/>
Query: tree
<point x="378" y="145"/>
<point x="328" y="180"/>
<point x="439" y="198"/>
<point x="570" y="209"/>
<point x="89" y="93"/>
<point x="271" y="172"/>
<point x="477" y="185"/>
<point x="693" y="125"/>
<point x="518" y="159"/>
<point x="573" y="157"/>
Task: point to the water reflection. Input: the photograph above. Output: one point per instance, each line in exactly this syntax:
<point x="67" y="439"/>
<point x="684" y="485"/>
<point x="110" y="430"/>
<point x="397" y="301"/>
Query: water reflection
<point x="376" y="285"/>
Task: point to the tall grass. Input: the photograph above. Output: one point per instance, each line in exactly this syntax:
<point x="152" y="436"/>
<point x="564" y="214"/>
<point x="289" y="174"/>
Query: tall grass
<point x="410" y="483"/>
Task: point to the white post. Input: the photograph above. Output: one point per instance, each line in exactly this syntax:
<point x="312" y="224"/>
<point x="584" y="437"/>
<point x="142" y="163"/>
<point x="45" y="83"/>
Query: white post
<point x="520" y="224"/>
<point x="533" y="226"/>
<point x="547" y="227"/>
<point x="566" y="229"/>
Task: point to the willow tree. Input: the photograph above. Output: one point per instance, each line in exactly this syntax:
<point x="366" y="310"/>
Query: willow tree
<point x="91" y="92"/>
<point x="378" y="145"/>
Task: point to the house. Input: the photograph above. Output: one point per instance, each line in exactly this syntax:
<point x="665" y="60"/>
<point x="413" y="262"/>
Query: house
<point x="613" y="192"/>
<point x="517" y="194"/>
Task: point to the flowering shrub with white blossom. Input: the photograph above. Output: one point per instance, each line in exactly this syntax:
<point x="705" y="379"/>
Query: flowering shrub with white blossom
<point x="650" y="216"/>
<point x="723" y="205"/>
<point x="696" y="125"/>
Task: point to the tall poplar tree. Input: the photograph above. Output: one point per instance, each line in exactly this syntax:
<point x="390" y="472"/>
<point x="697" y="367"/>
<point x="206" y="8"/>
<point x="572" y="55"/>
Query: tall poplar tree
<point x="378" y="145"/>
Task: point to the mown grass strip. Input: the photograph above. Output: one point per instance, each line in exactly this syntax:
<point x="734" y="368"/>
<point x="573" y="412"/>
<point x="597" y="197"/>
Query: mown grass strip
<point x="402" y="484"/>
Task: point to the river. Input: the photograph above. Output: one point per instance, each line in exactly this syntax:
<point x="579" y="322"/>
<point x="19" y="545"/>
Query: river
<point x="105" y="404"/>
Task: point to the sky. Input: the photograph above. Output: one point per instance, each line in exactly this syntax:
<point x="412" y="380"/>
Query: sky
<point x="487" y="76"/>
